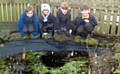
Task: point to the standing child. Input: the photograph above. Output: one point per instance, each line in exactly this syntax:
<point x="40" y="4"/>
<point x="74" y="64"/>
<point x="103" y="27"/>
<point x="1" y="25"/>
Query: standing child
<point x="27" y="23"/>
<point x="64" y="18"/>
<point x="47" y="21"/>
<point x="85" y="23"/>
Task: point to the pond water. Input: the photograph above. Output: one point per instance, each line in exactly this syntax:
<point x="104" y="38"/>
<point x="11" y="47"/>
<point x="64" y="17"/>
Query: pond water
<point x="46" y="56"/>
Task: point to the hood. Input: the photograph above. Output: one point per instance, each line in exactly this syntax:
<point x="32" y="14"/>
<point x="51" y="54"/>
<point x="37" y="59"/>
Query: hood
<point x="45" y="6"/>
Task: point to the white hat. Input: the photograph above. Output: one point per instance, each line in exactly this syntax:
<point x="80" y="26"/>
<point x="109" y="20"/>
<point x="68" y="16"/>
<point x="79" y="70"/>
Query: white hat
<point x="45" y="6"/>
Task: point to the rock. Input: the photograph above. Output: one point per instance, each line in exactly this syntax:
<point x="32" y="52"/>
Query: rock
<point x="91" y="41"/>
<point x="117" y="46"/>
<point x="1" y="45"/>
<point x="77" y="39"/>
<point x="47" y="36"/>
<point x="101" y="64"/>
<point x="62" y="37"/>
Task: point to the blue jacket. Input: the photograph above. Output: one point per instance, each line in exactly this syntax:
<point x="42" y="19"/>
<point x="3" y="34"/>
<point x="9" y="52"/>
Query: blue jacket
<point x="25" y="20"/>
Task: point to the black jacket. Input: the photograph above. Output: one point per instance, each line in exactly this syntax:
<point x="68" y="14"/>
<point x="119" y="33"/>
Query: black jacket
<point x="64" y="20"/>
<point x="50" y="23"/>
<point x="86" y="27"/>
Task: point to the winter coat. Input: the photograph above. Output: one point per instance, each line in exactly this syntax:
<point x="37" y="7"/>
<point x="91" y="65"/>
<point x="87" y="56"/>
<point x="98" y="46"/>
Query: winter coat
<point x="44" y="26"/>
<point x="81" y="26"/>
<point x="26" y="24"/>
<point x="63" y="21"/>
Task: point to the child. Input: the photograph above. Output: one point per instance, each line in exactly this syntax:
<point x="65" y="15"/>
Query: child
<point x="64" y="18"/>
<point x="27" y="23"/>
<point x="46" y="20"/>
<point x="85" y="23"/>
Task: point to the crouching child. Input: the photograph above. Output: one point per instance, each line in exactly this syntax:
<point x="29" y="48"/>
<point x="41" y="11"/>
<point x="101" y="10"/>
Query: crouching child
<point x="47" y="21"/>
<point x="27" y="23"/>
<point x="64" y="18"/>
<point x="85" y="23"/>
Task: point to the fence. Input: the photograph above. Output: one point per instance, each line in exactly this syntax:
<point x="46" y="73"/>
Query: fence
<point x="107" y="12"/>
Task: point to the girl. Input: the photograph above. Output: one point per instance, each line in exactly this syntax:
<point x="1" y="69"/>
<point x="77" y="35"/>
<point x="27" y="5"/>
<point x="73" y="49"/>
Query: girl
<point x="47" y="21"/>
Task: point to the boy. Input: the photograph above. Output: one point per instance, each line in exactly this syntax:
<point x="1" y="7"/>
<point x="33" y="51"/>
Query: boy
<point x="46" y="20"/>
<point x="64" y="18"/>
<point x="27" y="23"/>
<point x="85" y="23"/>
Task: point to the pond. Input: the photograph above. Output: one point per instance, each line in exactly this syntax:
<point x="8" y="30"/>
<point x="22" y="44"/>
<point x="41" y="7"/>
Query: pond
<point x="46" y="56"/>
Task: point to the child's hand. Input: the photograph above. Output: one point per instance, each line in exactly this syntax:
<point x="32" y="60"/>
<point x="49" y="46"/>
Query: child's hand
<point x="70" y="31"/>
<point x="45" y="33"/>
<point x="86" y="20"/>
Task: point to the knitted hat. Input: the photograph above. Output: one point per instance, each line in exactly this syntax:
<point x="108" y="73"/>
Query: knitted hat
<point x="45" y="6"/>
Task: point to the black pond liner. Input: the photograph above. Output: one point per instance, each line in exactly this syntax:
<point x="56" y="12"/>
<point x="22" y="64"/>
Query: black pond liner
<point x="45" y="45"/>
<point x="54" y="60"/>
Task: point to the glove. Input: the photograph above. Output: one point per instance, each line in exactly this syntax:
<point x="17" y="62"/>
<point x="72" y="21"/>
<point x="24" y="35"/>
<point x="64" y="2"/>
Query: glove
<point x="70" y="31"/>
<point x="56" y="31"/>
<point x="86" y="20"/>
<point x="45" y="33"/>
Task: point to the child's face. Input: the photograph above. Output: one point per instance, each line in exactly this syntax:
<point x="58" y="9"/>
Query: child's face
<point x="30" y="13"/>
<point x="85" y="12"/>
<point x="45" y="12"/>
<point x="64" y="10"/>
